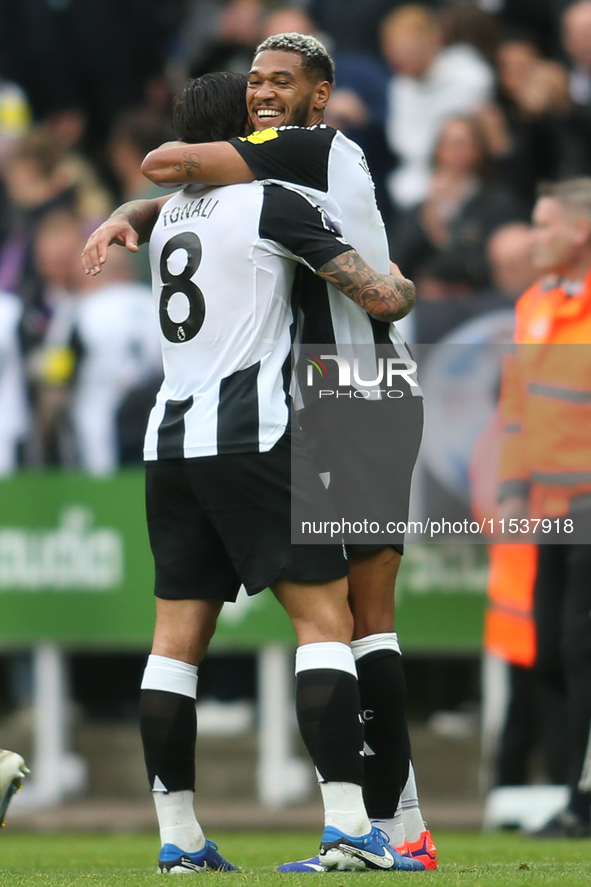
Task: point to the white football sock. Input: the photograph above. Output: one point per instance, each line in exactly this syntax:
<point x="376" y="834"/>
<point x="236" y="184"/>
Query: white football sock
<point x="386" y="640"/>
<point x="177" y="821"/>
<point x="409" y="811"/>
<point x="393" y="827"/>
<point x="327" y="654"/>
<point x="344" y="808"/>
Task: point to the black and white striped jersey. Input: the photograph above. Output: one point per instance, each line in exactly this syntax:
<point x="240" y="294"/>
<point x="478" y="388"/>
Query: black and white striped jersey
<point x="332" y="169"/>
<point x="223" y="262"/>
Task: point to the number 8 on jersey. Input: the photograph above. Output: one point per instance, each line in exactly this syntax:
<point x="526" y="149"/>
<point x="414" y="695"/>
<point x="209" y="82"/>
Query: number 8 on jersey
<point x="172" y="284"/>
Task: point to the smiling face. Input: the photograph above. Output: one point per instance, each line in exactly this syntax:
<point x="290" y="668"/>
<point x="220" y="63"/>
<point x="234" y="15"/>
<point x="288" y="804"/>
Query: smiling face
<point x="279" y="91"/>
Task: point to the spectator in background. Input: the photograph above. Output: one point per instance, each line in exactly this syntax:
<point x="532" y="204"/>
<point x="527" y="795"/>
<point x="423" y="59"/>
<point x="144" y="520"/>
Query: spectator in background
<point x="56" y="240"/>
<point x="107" y="344"/>
<point x="15" y="121"/>
<point x="285" y="18"/>
<point x="15" y="117"/>
<point x="576" y="40"/>
<point x="431" y="83"/>
<point x="467" y="23"/>
<point x="41" y="176"/>
<point x="56" y="248"/>
<point x="135" y="133"/>
<point x="217" y="35"/>
<point x="447" y="297"/>
<point x="510" y="261"/>
<point x="525" y="125"/>
<point x="462" y="207"/>
<point x="545" y="465"/>
<point x="532" y="716"/>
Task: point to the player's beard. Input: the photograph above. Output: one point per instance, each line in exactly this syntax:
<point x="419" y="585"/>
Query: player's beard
<point x="301" y="113"/>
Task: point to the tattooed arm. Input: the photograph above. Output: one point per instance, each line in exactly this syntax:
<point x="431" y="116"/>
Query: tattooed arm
<point x="385" y="297"/>
<point x="212" y="163"/>
<point x="129" y="225"/>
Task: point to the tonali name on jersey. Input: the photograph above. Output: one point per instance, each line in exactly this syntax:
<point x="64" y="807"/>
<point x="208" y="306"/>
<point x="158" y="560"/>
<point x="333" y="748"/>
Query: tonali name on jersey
<point x="322" y="162"/>
<point x="223" y="261"/>
<point x="197" y="207"/>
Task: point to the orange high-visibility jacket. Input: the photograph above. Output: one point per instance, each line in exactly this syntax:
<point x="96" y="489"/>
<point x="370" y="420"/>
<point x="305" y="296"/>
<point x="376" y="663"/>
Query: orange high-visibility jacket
<point x="509" y="630"/>
<point x="546" y="401"/>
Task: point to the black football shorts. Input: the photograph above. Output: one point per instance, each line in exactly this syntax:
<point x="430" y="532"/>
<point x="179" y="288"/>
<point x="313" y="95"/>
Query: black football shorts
<point x="217" y="522"/>
<point x="369" y="449"/>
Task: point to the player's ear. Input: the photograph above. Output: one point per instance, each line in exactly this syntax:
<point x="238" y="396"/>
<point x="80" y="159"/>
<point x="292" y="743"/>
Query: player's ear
<point x="323" y="91"/>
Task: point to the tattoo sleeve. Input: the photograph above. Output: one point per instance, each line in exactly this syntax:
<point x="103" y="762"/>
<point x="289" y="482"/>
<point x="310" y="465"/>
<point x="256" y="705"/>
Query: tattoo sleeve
<point x="141" y="215"/>
<point x="384" y="296"/>
<point x="188" y="165"/>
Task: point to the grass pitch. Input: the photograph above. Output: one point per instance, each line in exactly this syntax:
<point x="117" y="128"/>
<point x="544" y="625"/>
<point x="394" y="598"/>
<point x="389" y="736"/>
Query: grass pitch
<point x="123" y="860"/>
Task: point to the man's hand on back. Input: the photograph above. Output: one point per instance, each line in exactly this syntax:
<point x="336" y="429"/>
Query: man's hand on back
<point x="129" y="226"/>
<point x="116" y="229"/>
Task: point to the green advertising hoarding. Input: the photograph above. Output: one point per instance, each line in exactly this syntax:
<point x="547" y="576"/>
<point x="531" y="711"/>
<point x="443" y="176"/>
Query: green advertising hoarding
<point x="76" y="569"/>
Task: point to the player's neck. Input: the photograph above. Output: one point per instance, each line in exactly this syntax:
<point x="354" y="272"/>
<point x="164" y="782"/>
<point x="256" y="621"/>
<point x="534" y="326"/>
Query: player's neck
<point x="315" y="118"/>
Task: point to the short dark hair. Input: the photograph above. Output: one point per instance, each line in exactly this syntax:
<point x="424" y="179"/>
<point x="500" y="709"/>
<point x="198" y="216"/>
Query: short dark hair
<point x="316" y="61"/>
<point x="211" y="108"/>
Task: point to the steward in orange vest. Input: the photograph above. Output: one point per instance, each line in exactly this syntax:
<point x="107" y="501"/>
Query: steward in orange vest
<point x="546" y="400"/>
<point x="545" y="468"/>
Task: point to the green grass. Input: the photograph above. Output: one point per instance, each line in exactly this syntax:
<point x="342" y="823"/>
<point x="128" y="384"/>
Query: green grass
<point x="74" y="860"/>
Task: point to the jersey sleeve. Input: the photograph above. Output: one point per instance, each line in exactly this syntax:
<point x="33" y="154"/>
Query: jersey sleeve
<point x="300" y="227"/>
<point x="295" y="155"/>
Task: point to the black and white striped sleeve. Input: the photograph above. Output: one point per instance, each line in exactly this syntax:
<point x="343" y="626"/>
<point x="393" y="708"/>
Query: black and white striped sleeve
<point x="299" y="227"/>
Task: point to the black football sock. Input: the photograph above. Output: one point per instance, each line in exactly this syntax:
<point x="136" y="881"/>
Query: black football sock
<point x="382" y="690"/>
<point x="327" y="705"/>
<point x="168" y="723"/>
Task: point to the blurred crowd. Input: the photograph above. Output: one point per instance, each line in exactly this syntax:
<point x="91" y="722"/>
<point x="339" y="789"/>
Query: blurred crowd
<point x="461" y="107"/>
